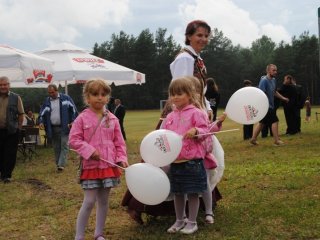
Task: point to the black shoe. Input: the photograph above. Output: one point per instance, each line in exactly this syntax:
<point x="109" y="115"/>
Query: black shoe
<point x="60" y="169"/>
<point x="136" y="216"/>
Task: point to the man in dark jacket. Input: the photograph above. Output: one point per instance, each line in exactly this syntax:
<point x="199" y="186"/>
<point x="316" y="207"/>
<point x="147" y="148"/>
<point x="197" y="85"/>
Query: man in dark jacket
<point x="301" y="98"/>
<point x="120" y="112"/>
<point x="11" y="118"/>
<point x="56" y="116"/>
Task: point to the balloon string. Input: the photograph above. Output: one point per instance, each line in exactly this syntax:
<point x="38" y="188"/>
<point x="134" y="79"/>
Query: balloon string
<point x="213" y="124"/>
<point x="104" y="160"/>
<point x="114" y="164"/>
<point x="211" y="133"/>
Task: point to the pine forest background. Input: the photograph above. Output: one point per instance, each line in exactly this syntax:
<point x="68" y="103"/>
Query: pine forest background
<point x="152" y="54"/>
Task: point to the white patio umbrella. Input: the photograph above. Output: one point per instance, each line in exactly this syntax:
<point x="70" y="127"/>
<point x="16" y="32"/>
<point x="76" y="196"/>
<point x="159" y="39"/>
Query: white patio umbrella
<point x="76" y="65"/>
<point x="25" y="69"/>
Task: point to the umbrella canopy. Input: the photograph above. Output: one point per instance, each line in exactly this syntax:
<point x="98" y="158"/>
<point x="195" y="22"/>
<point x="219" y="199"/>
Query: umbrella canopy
<point x="25" y="69"/>
<point x="76" y="65"/>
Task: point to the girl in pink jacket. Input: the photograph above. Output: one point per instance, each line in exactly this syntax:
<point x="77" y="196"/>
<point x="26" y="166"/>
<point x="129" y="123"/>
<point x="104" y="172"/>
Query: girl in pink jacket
<point x="187" y="172"/>
<point x="96" y="136"/>
<point x="210" y="162"/>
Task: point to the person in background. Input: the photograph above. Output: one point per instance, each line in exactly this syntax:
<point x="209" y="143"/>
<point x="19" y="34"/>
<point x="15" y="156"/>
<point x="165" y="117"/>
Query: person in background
<point x="289" y="91"/>
<point x="268" y="85"/>
<point x="11" y="118"/>
<point x="110" y="104"/>
<point x="308" y="109"/>
<point x="120" y="112"/>
<point x="29" y="119"/>
<point x="301" y="98"/>
<point x="56" y="116"/>
<point x="96" y="137"/>
<point x="213" y="96"/>
<point x="247" y="129"/>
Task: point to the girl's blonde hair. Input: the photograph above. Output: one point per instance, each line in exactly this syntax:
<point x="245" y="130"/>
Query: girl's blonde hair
<point x="93" y="87"/>
<point x="186" y="85"/>
<point x="198" y="84"/>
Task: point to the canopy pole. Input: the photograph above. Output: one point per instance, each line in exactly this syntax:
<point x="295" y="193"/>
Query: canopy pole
<point x="65" y="87"/>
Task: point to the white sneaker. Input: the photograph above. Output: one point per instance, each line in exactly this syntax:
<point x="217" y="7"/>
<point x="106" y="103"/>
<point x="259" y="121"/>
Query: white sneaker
<point x="209" y="219"/>
<point x="177" y="226"/>
<point x="190" y="230"/>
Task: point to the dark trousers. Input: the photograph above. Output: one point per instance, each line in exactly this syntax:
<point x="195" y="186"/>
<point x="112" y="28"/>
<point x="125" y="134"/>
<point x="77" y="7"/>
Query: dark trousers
<point x="298" y="119"/>
<point x="247" y="131"/>
<point x="266" y="130"/>
<point x="291" y="120"/>
<point x="8" y="152"/>
<point x="122" y="130"/>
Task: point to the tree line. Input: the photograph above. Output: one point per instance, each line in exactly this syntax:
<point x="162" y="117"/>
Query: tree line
<point x="229" y="65"/>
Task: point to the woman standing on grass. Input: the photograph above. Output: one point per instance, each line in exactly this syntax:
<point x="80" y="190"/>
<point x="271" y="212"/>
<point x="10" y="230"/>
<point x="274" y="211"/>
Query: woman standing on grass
<point x="187" y="63"/>
<point x="96" y="135"/>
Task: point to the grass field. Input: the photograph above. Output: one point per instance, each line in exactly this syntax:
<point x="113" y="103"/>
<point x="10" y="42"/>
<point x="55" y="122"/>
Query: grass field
<point x="268" y="192"/>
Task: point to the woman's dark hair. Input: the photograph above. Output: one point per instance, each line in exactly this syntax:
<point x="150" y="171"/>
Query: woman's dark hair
<point x="290" y="78"/>
<point x="211" y="84"/>
<point x="192" y="28"/>
<point x="247" y="83"/>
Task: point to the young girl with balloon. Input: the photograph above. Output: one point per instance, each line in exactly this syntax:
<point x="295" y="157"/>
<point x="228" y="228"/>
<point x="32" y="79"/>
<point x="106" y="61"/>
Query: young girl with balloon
<point x="187" y="172"/>
<point x="210" y="162"/>
<point x="96" y="135"/>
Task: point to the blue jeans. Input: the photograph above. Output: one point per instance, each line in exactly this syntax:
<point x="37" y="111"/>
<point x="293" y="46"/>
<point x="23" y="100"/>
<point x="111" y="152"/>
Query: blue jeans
<point x="60" y="142"/>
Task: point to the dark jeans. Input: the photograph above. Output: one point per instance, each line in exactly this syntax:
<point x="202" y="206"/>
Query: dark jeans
<point x="8" y="152"/>
<point x="247" y="131"/>
<point x="122" y="129"/>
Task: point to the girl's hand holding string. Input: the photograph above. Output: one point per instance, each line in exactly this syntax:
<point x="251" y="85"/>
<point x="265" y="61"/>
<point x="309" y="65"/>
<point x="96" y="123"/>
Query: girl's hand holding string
<point x="123" y="164"/>
<point x="95" y="156"/>
<point x="222" y="117"/>
<point x="191" y="133"/>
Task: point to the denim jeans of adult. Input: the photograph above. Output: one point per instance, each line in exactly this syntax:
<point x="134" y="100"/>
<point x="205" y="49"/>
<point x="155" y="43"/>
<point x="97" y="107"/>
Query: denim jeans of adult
<point x="60" y="146"/>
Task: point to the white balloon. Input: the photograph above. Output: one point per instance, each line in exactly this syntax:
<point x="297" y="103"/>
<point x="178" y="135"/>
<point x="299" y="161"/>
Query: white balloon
<point x="160" y="147"/>
<point x="217" y="173"/>
<point x="147" y="183"/>
<point x="248" y="105"/>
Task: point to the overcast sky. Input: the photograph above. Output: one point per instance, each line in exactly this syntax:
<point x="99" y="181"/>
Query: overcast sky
<point x="33" y="25"/>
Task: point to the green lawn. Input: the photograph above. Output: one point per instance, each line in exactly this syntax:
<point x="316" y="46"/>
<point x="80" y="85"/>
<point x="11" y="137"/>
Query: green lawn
<point x="268" y="192"/>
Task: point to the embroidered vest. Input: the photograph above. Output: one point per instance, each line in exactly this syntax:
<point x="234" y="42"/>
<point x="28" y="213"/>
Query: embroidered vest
<point x="12" y="113"/>
<point x="199" y="69"/>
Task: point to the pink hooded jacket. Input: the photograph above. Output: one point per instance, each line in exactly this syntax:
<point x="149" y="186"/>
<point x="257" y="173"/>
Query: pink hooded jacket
<point x="107" y="139"/>
<point x="180" y="121"/>
<point x="210" y="161"/>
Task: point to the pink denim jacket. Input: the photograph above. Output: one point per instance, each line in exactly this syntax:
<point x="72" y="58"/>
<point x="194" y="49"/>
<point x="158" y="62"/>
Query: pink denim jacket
<point x="107" y="139"/>
<point x="180" y="121"/>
